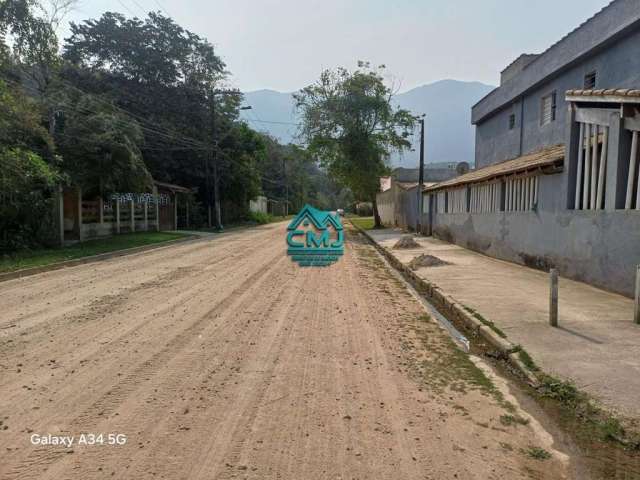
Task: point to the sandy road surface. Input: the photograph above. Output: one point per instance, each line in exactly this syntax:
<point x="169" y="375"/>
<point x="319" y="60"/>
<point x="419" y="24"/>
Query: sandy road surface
<point x="222" y="359"/>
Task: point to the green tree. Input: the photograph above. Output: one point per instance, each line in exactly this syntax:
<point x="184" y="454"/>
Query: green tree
<point x="34" y="43"/>
<point x="350" y="125"/>
<point x="26" y="180"/>
<point x="100" y="147"/>
<point x="163" y="75"/>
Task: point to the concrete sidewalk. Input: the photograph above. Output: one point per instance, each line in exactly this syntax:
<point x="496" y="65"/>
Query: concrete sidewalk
<point x="597" y="345"/>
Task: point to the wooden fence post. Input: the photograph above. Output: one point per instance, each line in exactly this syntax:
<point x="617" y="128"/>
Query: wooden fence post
<point x="553" y="298"/>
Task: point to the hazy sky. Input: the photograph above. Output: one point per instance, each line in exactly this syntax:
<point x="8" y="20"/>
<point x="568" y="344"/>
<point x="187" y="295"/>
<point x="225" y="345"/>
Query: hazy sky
<point x="284" y="44"/>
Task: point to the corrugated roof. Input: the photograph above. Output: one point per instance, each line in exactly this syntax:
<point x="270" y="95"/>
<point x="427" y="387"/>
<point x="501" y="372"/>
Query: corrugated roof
<point x="538" y="159"/>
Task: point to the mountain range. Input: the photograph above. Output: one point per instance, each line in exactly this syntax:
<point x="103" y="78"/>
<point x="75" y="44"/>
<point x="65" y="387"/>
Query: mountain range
<point x="449" y="135"/>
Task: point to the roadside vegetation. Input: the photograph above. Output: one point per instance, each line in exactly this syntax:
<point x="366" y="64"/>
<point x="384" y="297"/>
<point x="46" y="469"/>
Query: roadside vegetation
<point x="349" y="122"/>
<point x="48" y="256"/>
<point x="110" y="116"/>
<point x="365" y="223"/>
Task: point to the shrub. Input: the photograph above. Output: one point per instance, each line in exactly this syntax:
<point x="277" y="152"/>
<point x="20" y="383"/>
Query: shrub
<point x="260" y="218"/>
<point x="26" y="201"/>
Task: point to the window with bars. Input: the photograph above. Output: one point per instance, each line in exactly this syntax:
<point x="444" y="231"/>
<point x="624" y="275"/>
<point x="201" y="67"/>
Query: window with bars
<point x="457" y="200"/>
<point x="591" y="169"/>
<point x="486" y="197"/>
<point x="590" y="81"/>
<point x="521" y="193"/>
<point x="441" y="201"/>
<point x="548" y="109"/>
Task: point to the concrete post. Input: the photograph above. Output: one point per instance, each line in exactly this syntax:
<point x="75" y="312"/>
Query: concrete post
<point x="157" y="201"/>
<point x="175" y="211"/>
<point x="618" y="151"/>
<point x="187" y="220"/>
<point x="553" y="298"/>
<point x="572" y="146"/>
<point x="101" y="210"/>
<point x="132" y="220"/>
<point x="146" y="216"/>
<point x="117" y="215"/>
<point x="636" y="310"/>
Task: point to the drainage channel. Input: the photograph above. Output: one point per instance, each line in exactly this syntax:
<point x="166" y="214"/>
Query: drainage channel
<point x="593" y="458"/>
<point x="454" y="333"/>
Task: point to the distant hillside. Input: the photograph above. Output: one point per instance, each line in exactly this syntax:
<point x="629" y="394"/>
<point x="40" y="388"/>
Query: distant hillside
<point x="449" y="134"/>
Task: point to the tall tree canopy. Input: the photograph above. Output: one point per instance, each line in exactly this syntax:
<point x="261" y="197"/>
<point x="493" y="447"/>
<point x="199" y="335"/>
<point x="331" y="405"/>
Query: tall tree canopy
<point x="349" y="123"/>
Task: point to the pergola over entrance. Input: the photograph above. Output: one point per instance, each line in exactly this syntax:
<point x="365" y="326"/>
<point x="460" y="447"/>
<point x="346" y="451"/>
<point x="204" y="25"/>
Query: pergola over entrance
<point x="82" y="218"/>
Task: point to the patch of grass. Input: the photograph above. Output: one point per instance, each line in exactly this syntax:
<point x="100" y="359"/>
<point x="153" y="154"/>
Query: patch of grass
<point x="528" y="362"/>
<point x="509" y="420"/>
<point x="537" y="453"/>
<point x="448" y="366"/>
<point x="580" y="405"/>
<point x="611" y="429"/>
<point x="486" y="322"/>
<point x="261" y="218"/>
<point x="563" y="391"/>
<point x="365" y="223"/>
<point x="42" y="257"/>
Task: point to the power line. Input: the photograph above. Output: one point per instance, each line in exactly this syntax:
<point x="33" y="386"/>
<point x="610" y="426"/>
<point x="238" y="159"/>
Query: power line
<point x="162" y="8"/>
<point x="142" y="9"/>
<point x="126" y="8"/>
<point x="274" y="122"/>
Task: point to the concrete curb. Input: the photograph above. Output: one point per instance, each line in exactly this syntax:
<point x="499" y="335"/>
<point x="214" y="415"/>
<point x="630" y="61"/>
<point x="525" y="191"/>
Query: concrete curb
<point x="456" y="313"/>
<point x="26" y="272"/>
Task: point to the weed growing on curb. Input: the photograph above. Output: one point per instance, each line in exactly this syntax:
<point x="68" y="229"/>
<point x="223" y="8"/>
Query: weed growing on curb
<point x="528" y="362"/>
<point x="486" y="322"/>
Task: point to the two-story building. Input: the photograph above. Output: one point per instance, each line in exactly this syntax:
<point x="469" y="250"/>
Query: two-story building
<point x="557" y="172"/>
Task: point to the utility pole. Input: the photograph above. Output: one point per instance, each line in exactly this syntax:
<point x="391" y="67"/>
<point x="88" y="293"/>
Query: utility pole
<point x="420" y="176"/>
<point x="214" y="157"/>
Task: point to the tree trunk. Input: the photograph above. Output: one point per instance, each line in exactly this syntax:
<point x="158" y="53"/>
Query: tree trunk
<point x="376" y="215"/>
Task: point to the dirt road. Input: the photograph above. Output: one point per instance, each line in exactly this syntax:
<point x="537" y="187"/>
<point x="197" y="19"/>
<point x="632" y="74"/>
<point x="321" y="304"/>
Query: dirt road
<point x="223" y="359"/>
